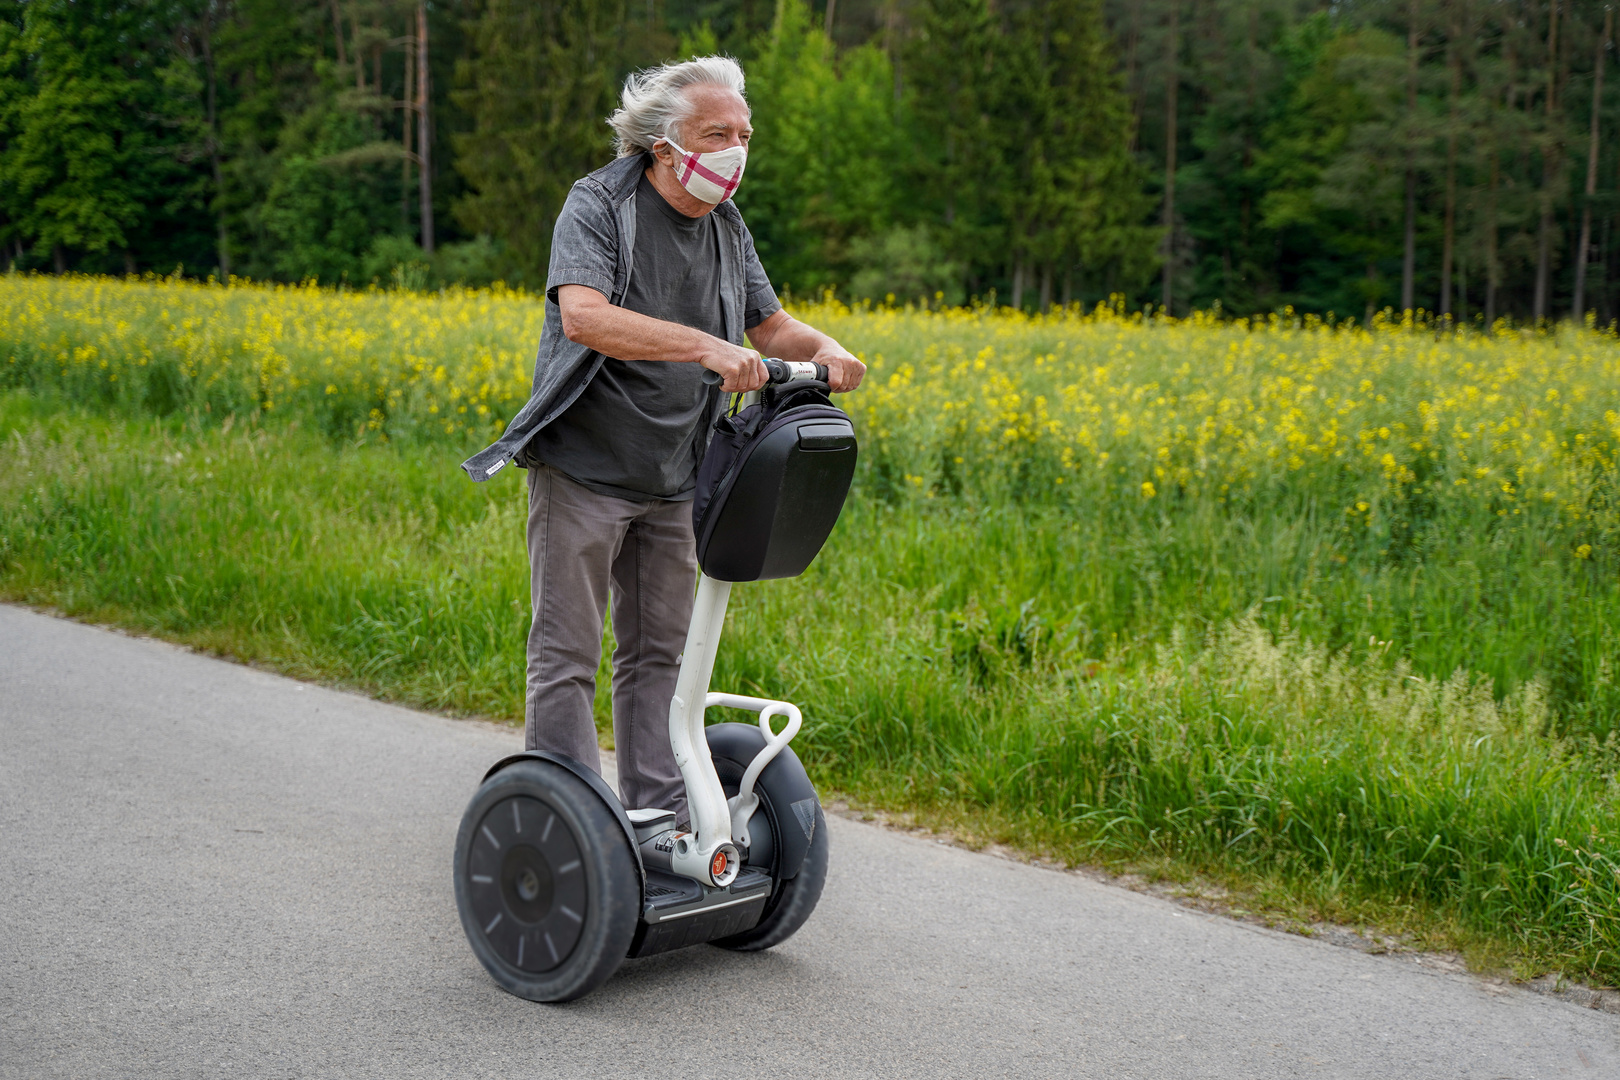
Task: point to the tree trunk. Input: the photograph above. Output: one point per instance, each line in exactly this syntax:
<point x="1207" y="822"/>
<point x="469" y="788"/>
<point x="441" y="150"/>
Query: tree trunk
<point x="407" y="132"/>
<point x="359" y="61"/>
<point x="1462" y="290"/>
<point x="827" y="23"/>
<point x="890" y="33"/>
<point x="337" y="32"/>
<point x="1493" y="262"/>
<point x="1046" y="287"/>
<point x="223" y="238"/>
<point x="1492" y="270"/>
<point x="1448" y="247"/>
<point x="1550" y="162"/>
<point x="1132" y="36"/>
<point x="1602" y="242"/>
<point x="424" y="127"/>
<point x="1409" y="251"/>
<point x="1068" y="288"/>
<point x="1171" y="81"/>
<point x="1578" y="308"/>
<point x="59" y="258"/>
<point x="1251" y="94"/>
<point x="1018" y="283"/>
<point x="1409" y="257"/>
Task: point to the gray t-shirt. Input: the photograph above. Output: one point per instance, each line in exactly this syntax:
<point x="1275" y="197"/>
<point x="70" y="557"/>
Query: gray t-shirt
<point x="592" y="244"/>
<point x="634" y="432"/>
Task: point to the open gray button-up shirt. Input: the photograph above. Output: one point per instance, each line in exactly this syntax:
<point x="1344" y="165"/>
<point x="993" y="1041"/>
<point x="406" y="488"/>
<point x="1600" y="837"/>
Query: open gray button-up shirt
<point x="592" y="244"/>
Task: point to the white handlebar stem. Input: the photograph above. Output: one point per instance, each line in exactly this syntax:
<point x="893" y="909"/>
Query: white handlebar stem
<point x="705" y="797"/>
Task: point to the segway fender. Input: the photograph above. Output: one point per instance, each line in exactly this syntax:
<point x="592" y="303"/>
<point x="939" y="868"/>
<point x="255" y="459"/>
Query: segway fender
<point x="594" y="781"/>
<point x="784" y="783"/>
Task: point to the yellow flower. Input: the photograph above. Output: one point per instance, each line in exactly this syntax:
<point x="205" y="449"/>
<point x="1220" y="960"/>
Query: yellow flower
<point x="969" y="399"/>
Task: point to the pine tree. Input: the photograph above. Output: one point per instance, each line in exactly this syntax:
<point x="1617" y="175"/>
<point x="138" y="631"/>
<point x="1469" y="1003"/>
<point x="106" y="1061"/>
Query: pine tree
<point x="1077" y="193"/>
<point x="15" y="89"/>
<point x="537" y="85"/>
<point x="955" y="72"/>
<point x="273" y="66"/>
<point x="828" y="154"/>
<point x="99" y="116"/>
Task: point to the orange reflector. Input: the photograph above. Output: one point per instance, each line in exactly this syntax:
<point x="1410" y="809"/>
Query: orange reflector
<point x="717" y="865"/>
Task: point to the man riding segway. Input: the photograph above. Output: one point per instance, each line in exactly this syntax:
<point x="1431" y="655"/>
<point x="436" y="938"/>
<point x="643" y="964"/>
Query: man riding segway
<point x="653" y="278"/>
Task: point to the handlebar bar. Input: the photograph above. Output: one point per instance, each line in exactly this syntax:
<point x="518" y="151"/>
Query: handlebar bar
<point x="781" y="371"/>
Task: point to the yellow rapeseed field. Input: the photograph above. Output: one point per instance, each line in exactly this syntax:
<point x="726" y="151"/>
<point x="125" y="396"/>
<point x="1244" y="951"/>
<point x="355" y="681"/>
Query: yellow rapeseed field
<point x="1221" y="408"/>
<point x="975" y="402"/>
<point x="456" y="362"/>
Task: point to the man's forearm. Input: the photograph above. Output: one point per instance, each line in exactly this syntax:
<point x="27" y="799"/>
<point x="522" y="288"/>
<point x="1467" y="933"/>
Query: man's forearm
<point x="589" y="320"/>
<point x="782" y="337"/>
<point x="629" y="335"/>
<point x="786" y="338"/>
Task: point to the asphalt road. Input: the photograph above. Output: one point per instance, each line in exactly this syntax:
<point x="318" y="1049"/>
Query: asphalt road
<point x="210" y="871"/>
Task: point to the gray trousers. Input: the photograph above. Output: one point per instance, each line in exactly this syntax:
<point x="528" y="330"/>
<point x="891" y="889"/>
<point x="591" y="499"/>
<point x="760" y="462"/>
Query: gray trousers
<point x="583" y="549"/>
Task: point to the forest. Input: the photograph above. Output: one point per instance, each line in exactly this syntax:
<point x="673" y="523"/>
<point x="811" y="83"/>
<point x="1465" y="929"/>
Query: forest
<point x="1455" y="157"/>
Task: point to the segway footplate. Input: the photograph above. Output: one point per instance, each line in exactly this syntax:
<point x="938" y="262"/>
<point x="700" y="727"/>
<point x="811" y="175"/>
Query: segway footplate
<point x="679" y="911"/>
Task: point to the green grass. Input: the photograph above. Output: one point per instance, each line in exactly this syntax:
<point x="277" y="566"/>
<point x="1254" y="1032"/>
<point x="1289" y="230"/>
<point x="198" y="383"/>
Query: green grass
<point x="1385" y="741"/>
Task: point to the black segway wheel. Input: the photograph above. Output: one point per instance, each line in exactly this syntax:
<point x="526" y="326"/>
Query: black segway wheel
<point x="546" y="882"/>
<point x="792" y="900"/>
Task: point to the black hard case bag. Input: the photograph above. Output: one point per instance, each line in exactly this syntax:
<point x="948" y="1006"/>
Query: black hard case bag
<point x="772" y="484"/>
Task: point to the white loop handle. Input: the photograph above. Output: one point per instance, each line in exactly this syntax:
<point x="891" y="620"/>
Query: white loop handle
<point x="745" y="802"/>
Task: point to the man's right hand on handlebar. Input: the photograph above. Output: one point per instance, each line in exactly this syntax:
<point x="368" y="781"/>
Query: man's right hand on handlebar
<point x="740" y="369"/>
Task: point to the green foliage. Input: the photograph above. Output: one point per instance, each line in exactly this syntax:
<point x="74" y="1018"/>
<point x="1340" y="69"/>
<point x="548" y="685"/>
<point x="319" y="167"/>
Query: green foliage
<point x="1023" y="135"/>
<point x="1074" y="195"/>
<point x="326" y="202"/>
<point x="538" y="82"/>
<point x="398" y="262"/>
<point x="477" y="262"/>
<point x="266" y="57"/>
<point x="1245" y="77"/>
<point x="904" y="265"/>
<point x="952" y="70"/>
<point x="828" y="147"/>
<point x="98" y="128"/>
<point x="1029" y="140"/>
<point x="1326" y="179"/>
<point x="1302" y="127"/>
<point x="296" y="109"/>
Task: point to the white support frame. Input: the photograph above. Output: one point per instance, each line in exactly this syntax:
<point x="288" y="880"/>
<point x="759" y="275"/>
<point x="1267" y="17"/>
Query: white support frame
<point x="745" y="802"/>
<point x="718" y="824"/>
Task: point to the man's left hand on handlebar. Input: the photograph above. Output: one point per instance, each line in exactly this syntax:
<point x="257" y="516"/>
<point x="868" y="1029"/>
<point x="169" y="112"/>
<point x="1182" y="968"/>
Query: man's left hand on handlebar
<point x="787" y="338"/>
<point x="844" y="372"/>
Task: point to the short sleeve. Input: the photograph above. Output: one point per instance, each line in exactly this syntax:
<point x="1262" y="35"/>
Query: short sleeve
<point x="761" y="302"/>
<point x="584" y="245"/>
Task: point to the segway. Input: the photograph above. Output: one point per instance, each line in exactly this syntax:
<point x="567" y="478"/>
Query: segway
<point x="557" y="882"/>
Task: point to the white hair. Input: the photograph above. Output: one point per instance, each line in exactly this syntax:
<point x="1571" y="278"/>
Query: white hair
<point x="654" y="101"/>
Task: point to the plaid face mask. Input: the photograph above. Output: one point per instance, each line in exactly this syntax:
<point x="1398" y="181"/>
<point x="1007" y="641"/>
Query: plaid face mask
<point x="713" y="177"/>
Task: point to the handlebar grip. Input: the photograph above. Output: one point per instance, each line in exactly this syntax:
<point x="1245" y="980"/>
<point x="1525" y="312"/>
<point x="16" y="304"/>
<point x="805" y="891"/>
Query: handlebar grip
<point x="784" y="372"/>
<point x="778" y="371"/>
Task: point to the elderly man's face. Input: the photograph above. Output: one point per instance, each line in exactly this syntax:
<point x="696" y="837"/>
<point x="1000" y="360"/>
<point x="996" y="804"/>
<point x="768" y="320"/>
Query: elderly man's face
<point x="719" y="119"/>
